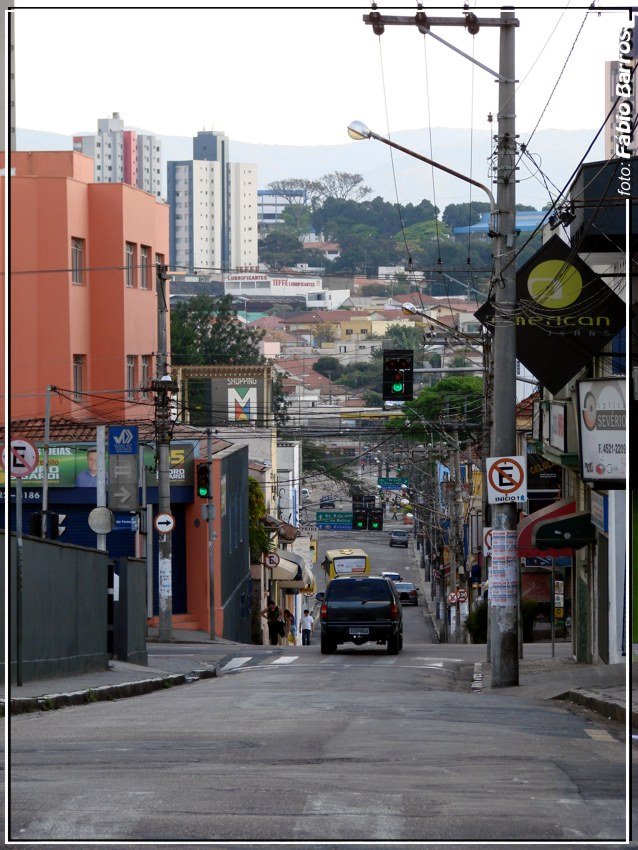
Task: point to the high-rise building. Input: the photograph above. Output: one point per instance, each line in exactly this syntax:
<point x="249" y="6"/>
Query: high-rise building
<point x="195" y="199"/>
<point x="213" y="206"/>
<point x="242" y="214"/>
<point x="123" y="156"/>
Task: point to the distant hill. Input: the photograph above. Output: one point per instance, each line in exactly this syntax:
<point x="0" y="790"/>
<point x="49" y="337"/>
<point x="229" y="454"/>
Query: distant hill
<point x="557" y="151"/>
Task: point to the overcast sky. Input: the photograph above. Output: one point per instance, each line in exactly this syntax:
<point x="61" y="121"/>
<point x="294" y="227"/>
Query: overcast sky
<point x="298" y="75"/>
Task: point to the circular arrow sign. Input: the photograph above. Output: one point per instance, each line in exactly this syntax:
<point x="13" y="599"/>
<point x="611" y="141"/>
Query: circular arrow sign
<point x="164" y="523"/>
<point x="272" y="559"/>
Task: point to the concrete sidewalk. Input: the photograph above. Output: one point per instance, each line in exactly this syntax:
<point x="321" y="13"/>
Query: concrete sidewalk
<point x="603" y="688"/>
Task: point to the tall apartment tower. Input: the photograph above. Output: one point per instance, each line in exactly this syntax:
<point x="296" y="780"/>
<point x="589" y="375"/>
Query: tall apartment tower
<point x="242" y="214"/>
<point x="612" y="69"/>
<point x="123" y="156"/>
<point x="213" y="203"/>
<point x="195" y="201"/>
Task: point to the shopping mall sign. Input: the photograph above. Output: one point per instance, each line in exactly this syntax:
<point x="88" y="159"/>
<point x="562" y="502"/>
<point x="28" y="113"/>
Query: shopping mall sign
<point x="564" y="314"/>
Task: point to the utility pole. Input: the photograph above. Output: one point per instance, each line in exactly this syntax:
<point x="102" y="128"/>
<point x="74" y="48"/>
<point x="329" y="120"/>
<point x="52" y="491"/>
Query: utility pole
<point x="162" y="388"/>
<point x="504" y="582"/>
<point x="458" y="520"/>
<point x="504" y="593"/>
<point x="210" y="516"/>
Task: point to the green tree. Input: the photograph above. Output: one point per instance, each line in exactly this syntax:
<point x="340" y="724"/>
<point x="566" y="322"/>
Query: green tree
<point x="464" y="215"/>
<point x="341" y="184"/>
<point x="323" y="332"/>
<point x="258" y="538"/>
<point x="205" y="331"/>
<point x="280" y="248"/>
<point x="329" y="367"/>
<point x="453" y="400"/>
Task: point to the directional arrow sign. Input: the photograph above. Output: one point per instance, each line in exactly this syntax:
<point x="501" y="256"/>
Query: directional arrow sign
<point x="164" y="523"/>
<point x="123" y="488"/>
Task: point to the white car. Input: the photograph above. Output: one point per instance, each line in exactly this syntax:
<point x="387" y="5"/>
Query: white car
<point x="393" y="576"/>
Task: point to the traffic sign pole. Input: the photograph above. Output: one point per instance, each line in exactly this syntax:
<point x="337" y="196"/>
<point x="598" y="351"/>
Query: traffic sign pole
<point x="19" y="581"/>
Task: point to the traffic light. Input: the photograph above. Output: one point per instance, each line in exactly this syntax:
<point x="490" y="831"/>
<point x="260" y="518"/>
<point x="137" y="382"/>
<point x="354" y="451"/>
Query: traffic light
<point x="359" y="519"/>
<point x="203" y="481"/>
<point x="398" y="375"/>
<point x="375" y="519"/>
<point x="35" y="524"/>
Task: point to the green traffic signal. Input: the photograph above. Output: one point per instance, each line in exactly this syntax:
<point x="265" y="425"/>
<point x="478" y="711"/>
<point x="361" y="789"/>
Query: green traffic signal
<point x="203" y="481"/>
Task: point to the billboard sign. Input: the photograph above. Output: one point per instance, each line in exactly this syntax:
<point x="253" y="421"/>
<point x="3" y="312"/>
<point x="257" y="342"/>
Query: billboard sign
<point x="602" y="423"/>
<point x="565" y="314"/>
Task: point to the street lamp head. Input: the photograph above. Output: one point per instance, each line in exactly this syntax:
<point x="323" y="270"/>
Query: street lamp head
<point x="410" y="309"/>
<point x="357" y="130"/>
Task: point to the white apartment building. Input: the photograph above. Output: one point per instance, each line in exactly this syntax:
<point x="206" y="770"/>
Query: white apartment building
<point x="123" y="156"/>
<point x="195" y="199"/>
<point x="242" y="215"/>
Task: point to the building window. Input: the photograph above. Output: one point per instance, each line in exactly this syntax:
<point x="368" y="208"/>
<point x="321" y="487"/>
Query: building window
<point x="130" y="376"/>
<point x="77" y="260"/>
<point x="145" y="253"/>
<point x="129" y="264"/>
<point x="78" y="375"/>
<point x="145" y="373"/>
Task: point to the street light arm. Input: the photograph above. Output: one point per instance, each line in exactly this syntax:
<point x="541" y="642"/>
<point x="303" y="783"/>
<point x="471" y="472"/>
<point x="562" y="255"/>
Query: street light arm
<point x="372" y="135"/>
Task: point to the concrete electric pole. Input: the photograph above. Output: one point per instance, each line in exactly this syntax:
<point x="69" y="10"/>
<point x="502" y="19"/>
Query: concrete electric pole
<point x="504" y="597"/>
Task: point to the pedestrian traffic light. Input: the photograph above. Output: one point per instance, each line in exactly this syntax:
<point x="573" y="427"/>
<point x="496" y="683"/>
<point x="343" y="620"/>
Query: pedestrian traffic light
<point x="359" y="519"/>
<point x="203" y="481"/>
<point x="375" y="519"/>
<point x="398" y="375"/>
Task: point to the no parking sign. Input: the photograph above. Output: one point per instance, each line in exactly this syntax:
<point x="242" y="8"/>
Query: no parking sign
<point x="506" y="479"/>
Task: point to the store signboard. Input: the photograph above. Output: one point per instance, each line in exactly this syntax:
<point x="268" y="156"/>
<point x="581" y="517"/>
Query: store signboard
<point x="565" y="314"/>
<point x="602" y="424"/>
<point x="558" y="425"/>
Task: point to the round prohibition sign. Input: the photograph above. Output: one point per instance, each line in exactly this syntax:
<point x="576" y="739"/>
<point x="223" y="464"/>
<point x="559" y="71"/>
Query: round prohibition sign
<point x="272" y="559"/>
<point x="23" y="457"/>
<point x="508" y="470"/>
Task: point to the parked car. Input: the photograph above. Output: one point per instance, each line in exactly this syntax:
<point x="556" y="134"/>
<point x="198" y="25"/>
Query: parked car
<point x="327" y="502"/>
<point x="305" y="494"/>
<point x="392" y="575"/>
<point x="361" y="610"/>
<point x="407" y="592"/>
<point x="399" y="538"/>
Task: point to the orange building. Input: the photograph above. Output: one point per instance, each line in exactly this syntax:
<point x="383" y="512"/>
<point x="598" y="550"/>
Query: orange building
<point x="83" y="301"/>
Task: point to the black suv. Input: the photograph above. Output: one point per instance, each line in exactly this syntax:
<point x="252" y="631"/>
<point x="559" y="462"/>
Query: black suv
<point x="359" y="610"/>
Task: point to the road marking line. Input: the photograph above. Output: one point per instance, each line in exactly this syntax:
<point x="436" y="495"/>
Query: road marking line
<point x="235" y="662"/>
<point x="286" y="659"/>
<point x="599" y="734"/>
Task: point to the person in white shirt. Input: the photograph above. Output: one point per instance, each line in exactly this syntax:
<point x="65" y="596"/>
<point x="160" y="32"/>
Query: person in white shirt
<point x="307" y="627"/>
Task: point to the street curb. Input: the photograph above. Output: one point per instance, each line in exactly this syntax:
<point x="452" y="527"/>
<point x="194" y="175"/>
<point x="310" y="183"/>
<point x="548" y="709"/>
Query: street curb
<point x="48" y="702"/>
<point x="609" y="708"/>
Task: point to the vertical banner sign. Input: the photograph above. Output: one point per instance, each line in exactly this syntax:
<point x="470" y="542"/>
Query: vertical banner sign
<point x="504" y="569"/>
<point x="123" y="473"/>
<point x="602" y="420"/>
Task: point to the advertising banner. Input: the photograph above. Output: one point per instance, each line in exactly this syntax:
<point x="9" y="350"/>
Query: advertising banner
<point x="565" y="314"/>
<point x="602" y="423"/>
<point x="76" y="466"/>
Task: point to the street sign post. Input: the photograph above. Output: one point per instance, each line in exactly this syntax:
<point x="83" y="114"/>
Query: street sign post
<point x="506" y="479"/>
<point x="123" y="468"/>
<point x="164" y="523"/>
<point x="334" y="520"/>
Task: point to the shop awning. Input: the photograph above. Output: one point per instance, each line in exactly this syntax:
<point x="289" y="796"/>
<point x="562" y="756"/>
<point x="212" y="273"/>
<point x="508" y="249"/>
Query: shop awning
<point x="292" y="573"/>
<point x="572" y="531"/>
<point x="288" y="568"/>
<point x="548" y="543"/>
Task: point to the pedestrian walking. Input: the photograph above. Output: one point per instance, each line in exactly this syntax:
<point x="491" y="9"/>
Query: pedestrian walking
<point x="290" y="634"/>
<point x="307" y="627"/>
<point x="272" y="615"/>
